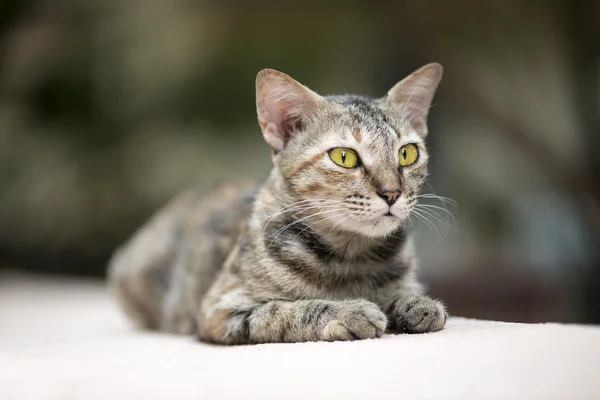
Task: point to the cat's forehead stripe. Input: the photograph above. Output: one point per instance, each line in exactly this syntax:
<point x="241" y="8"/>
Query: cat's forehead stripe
<point x="371" y="124"/>
<point x="372" y="118"/>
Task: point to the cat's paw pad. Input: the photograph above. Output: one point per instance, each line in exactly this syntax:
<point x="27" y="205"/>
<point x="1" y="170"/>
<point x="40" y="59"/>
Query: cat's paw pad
<point x="357" y="319"/>
<point x="419" y="314"/>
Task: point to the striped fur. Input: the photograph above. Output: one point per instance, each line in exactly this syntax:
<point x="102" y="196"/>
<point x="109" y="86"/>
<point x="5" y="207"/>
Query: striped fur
<point x="313" y="253"/>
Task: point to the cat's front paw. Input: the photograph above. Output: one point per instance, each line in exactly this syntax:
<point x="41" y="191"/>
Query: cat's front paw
<point x="355" y="319"/>
<point x="418" y="314"/>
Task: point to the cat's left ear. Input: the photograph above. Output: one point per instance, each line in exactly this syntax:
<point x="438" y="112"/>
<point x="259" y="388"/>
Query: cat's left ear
<point x="412" y="96"/>
<point x="283" y="106"/>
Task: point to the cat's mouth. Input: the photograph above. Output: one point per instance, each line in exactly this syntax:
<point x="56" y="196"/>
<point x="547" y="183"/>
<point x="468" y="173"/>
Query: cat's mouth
<point x="384" y="216"/>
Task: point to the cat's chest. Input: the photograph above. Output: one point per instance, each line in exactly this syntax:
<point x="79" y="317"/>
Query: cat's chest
<point x="338" y="280"/>
<point x="306" y="265"/>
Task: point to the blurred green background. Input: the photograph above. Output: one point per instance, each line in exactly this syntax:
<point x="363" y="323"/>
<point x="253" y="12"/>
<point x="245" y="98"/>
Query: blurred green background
<point x="108" y="108"/>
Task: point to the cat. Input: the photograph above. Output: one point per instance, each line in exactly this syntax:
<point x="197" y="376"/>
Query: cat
<point x="320" y="251"/>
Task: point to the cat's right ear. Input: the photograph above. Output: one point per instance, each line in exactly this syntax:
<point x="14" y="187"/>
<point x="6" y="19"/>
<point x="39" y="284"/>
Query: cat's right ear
<point x="283" y="106"/>
<point x="413" y="95"/>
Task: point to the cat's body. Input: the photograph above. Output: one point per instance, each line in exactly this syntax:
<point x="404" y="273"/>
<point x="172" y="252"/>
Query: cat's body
<point x="319" y="251"/>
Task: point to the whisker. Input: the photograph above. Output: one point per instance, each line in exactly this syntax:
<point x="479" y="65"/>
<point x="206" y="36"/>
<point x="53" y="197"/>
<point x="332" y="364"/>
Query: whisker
<point x="280" y="231"/>
<point x="426" y="108"/>
<point x="307" y="204"/>
<point x="301" y="205"/>
<point x="436" y="197"/>
<point x="315" y="223"/>
<point x="409" y="220"/>
<point x="426" y="221"/>
<point x="339" y="222"/>
<point x="434" y="215"/>
<point x="435" y="209"/>
<point x="444" y="202"/>
<point x="302" y="209"/>
<point x="408" y="101"/>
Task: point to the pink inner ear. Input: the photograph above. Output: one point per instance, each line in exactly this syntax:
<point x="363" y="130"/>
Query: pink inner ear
<point x="414" y="107"/>
<point x="414" y="102"/>
<point x="275" y="122"/>
<point x="272" y="137"/>
<point x="282" y="106"/>
<point x="283" y="116"/>
<point x="413" y="95"/>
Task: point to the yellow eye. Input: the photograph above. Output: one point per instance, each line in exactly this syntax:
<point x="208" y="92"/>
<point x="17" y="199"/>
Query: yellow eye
<point x="344" y="157"/>
<point x="408" y="155"/>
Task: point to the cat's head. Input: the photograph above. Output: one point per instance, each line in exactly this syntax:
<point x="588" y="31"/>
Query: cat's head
<point x="361" y="160"/>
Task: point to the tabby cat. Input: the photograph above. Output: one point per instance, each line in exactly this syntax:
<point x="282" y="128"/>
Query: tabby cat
<point x="319" y="251"/>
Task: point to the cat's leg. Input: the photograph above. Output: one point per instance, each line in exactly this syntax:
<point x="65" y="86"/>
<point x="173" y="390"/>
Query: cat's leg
<point x="416" y="314"/>
<point x="176" y="317"/>
<point x="235" y="319"/>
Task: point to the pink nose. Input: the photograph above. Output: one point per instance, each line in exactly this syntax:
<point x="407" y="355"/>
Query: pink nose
<point x="390" y="196"/>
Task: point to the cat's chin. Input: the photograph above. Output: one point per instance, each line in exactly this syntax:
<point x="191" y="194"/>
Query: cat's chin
<point x="375" y="228"/>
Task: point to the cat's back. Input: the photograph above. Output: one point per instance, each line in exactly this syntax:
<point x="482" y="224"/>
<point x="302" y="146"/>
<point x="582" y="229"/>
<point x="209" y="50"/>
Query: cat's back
<point x="194" y="217"/>
<point x="218" y="211"/>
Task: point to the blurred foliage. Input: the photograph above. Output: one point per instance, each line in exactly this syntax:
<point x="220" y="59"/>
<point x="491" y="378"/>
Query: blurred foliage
<point x="108" y="108"/>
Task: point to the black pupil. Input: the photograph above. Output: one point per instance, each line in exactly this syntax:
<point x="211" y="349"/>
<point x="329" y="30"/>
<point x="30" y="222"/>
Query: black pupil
<point x="343" y="156"/>
<point x="404" y="153"/>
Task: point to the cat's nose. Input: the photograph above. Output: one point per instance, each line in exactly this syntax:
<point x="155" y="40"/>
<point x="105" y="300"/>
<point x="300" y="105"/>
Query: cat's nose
<point x="390" y="196"/>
